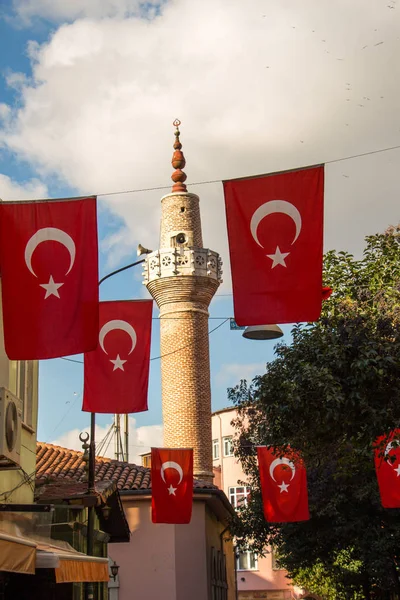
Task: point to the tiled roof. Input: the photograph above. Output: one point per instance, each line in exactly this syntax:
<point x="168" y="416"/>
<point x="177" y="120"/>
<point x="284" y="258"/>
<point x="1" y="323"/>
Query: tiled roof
<point x="59" y="489"/>
<point x="55" y="462"/>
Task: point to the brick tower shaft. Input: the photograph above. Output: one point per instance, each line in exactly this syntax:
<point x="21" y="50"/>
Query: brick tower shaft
<point x="182" y="277"/>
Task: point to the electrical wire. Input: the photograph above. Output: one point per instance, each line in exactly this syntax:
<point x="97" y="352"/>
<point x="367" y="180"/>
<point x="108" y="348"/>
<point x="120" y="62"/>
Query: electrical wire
<point x="190" y="343"/>
<point x="100" y="445"/>
<point x="168" y="353"/>
<point x="210" y="181"/>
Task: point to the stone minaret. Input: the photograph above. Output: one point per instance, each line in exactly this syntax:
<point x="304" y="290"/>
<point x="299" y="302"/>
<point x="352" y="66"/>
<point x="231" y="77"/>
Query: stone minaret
<point x="182" y="277"/>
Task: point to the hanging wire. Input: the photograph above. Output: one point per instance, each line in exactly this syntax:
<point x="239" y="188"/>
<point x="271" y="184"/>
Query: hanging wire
<point x="210" y="181"/>
<point x="100" y="445"/>
<point x="162" y="355"/>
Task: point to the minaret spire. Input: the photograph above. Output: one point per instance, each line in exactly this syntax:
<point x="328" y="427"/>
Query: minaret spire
<point x="178" y="162"/>
<point x="183" y="276"/>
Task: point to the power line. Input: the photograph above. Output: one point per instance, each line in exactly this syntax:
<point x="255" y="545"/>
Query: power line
<point x="168" y="353"/>
<point x="190" y="343"/>
<point x="210" y="181"/>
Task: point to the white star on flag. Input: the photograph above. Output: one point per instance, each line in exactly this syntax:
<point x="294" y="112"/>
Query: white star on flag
<point x="283" y="487"/>
<point x="278" y="258"/>
<point x="172" y="490"/>
<point x="118" y="363"/>
<point x="398" y="470"/>
<point x="51" y="288"/>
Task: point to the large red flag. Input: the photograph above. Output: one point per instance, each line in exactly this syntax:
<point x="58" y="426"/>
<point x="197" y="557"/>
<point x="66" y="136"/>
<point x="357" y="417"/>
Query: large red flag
<point x="171" y="485"/>
<point x="116" y="374"/>
<point x="283" y="487"/>
<point x="275" y="229"/>
<point x="387" y="466"/>
<point x="49" y="275"/>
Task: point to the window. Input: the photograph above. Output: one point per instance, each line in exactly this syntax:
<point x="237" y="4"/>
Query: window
<point x="228" y="446"/>
<point x="238" y="496"/>
<point x="247" y="561"/>
<point x="215" y="449"/>
<point x="146" y="460"/>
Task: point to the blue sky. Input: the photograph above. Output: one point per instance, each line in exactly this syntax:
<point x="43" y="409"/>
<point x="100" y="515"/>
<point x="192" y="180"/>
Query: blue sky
<point x="88" y="93"/>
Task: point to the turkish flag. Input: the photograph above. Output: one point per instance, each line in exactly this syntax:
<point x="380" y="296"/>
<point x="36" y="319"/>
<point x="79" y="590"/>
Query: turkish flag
<point x="116" y="374"/>
<point x="283" y="487"/>
<point x="387" y="466"/>
<point x="171" y="485"/>
<point x="49" y="275"/>
<point x="275" y="231"/>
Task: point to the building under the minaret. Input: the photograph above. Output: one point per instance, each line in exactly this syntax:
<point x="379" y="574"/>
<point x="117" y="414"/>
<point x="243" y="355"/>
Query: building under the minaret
<point x="182" y="276"/>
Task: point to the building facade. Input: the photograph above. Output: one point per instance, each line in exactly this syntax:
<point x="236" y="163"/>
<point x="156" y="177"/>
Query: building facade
<point x="172" y="562"/>
<point x="18" y="387"/>
<point x="256" y="577"/>
<point x="182" y="276"/>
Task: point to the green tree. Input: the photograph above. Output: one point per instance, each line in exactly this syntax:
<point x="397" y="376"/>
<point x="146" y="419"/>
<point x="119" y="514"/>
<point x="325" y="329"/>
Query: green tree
<point x="330" y="394"/>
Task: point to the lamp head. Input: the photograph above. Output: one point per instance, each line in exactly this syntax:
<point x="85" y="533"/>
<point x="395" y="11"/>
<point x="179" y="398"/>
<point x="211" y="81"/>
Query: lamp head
<point x="263" y="332"/>
<point x="142" y="250"/>
<point x="114" y="570"/>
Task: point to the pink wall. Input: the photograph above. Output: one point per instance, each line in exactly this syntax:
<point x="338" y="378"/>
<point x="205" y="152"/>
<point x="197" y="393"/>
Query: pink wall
<point x="162" y="561"/>
<point x="191" y="553"/>
<point x="147" y="562"/>
<point x="265" y="578"/>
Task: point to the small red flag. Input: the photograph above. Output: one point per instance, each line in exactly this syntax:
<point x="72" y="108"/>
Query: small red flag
<point x="116" y="374"/>
<point x="275" y="229"/>
<point x="387" y="466"/>
<point x="49" y="274"/>
<point x="171" y="485"/>
<point x="326" y="292"/>
<point x="283" y="487"/>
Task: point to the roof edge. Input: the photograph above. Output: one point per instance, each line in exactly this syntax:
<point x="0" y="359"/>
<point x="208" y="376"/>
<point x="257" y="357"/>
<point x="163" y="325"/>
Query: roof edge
<point x="217" y="493"/>
<point x="223" y="410"/>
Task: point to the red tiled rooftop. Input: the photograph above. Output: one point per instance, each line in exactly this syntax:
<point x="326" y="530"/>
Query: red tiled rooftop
<point x="55" y="462"/>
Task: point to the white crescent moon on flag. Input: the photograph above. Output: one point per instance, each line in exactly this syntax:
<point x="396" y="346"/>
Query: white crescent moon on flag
<point x="171" y="465"/>
<point x="281" y="461"/>
<point x="117" y="324"/>
<point x="390" y="447"/>
<point x="271" y="207"/>
<point x="49" y="234"/>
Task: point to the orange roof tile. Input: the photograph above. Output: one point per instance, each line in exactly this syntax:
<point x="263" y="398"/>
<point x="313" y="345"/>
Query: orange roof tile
<point x="55" y="463"/>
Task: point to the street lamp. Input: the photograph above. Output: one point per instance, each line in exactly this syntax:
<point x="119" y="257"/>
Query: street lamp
<point x="114" y="570"/>
<point x="92" y="452"/>
<point x="263" y="332"/>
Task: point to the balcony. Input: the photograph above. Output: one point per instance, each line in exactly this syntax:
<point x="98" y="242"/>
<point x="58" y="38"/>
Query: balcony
<point x="176" y="262"/>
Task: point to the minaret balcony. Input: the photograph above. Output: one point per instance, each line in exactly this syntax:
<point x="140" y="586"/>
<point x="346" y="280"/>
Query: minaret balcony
<point x="176" y="262"/>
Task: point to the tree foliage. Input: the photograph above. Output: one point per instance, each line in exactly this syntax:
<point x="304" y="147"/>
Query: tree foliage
<point x="330" y="394"/>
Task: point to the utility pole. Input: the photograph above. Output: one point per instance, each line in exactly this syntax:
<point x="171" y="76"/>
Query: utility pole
<point x="90" y="586"/>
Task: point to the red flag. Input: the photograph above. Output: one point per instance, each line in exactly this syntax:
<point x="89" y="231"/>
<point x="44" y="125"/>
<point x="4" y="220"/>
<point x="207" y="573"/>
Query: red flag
<point x="283" y="487"/>
<point x="326" y="292"/>
<point x="387" y="466"/>
<point x="116" y="374"/>
<point x="49" y="272"/>
<point x="275" y="227"/>
<point x="171" y="485"/>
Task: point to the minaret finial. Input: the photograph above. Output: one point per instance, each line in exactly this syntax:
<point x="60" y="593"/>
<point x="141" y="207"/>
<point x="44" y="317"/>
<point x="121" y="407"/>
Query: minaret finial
<point x="178" y="162"/>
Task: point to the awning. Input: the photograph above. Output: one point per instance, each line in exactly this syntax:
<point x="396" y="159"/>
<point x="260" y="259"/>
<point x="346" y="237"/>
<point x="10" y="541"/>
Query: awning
<point x="17" y="555"/>
<point x="73" y="566"/>
<point x="84" y="568"/>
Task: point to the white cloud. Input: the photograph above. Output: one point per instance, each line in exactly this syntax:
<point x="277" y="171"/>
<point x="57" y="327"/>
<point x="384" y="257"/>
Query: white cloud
<point x="231" y="374"/>
<point x="11" y="190"/>
<point x="259" y="87"/>
<point x="60" y="10"/>
<point x="141" y="439"/>
<point x="4" y="111"/>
